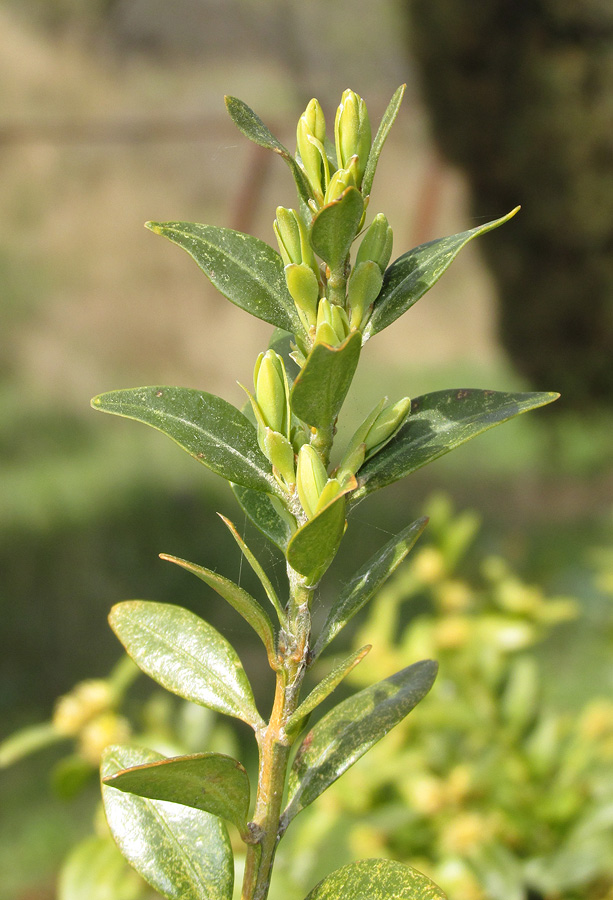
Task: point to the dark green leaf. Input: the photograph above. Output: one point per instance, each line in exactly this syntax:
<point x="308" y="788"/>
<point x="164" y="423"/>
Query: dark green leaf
<point x="242" y="267"/>
<point x="256" y="567"/>
<point x="96" y="870"/>
<point x="349" y="730"/>
<point x="313" y="547"/>
<point x="389" y="117"/>
<point x="261" y="510"/>
<point x="325" y="687"/>
<point x="438" y="423"/>
<point x="321" y="387"/>
<point x="376" y="879"/>
<point x="186" y="656"/>
<point x="415" y="272"/>
<point x="210" y="429"/>
<point x="335" y="227"/>
<point x="367" y="581"/>
<point x="250" y="124"/>
<point x="246" y="605"/>
<point x="183" y="853"/>
<point x="211" y="782"/>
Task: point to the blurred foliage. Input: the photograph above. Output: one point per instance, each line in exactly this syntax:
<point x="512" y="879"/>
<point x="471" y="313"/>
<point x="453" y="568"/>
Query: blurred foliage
<point x="521" y="97"/>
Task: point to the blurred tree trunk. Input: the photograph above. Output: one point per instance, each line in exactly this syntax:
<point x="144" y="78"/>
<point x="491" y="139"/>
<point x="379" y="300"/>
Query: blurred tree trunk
<point x="520" y="94"/>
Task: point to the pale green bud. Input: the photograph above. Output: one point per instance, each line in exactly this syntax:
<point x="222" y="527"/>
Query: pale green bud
<point x="377" y="243"/>
<point x="356" y="448"/>
<point x="293" y="239"/>
<point x="332" y="489"/>
<point x="271" y="391"/>
<point x="341" y="180"/>
<point x="386" y="425"/>
<point x="352" y="134"/>
<point x="362" y="290"/>
<point x="311" y="478"/>
<point x="340" y="323"/>
<point x="310" y="137"/>
<point x="328" y="321"/>
<point x="303" y="286"/>
<point x="280" y="452"/>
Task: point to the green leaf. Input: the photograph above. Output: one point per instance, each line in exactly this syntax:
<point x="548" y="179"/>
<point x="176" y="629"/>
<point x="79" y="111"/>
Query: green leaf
<point x="415" y="272"/>
<point x="210" y="429"/>
<point x="313" y="547"/>
<point x="335" y="227"/>
<point x="325" y="687"/>
<point x="185" y="655"/>
<point x="367" y="581"/>
<point x="211" y="782"/>
<point x="438" y="423"/>
<point x="376" y="879"/>
<point x="246" y="605"/>
<point x="242" y="267"/>
<point x="96" y="870"/>
<point x="262" y="512"/>
<point x="349" y="730"/>
<point x="70" y="775"/>
<point x="183" y="853"/>
<point x="321" y="387"/>
<point x="27" y="740"/>
<point x="389" y="117"/>
<point x="250" y="124"/>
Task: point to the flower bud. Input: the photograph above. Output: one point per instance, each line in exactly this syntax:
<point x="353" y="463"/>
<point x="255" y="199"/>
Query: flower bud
<point x="311" y="478"/>
<point x="293" y="239"/>
<point x="356" y="448"/>
<point x="280" y="452"/>
<point x="332" y="324"/>
<point x="303" y="286"/>
<point x="352" y="134"/>
<point x="310" y="137"/>
<point x="377" y="243"/>
<point x="362" y="290"/>
<point x="341" y="180"/>
<point x="271" y="391"/>
<point x="386" y="425"/>
<point x="332" y="489"/>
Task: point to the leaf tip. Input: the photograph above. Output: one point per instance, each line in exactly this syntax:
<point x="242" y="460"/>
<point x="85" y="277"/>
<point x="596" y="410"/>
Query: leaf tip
<point x="96" y="402"/>
<point x="156" y="227"/>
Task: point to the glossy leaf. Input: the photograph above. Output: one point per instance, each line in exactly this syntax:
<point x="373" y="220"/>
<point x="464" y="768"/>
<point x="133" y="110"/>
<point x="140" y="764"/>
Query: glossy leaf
<point x="322" y="385"/>
<point x="246" y="605"/>
<point x="438" y="423"/>
<point x="415" y="272"/>
<point x="376" y="879"/>
<point x="183" y="853"/>
<point x="256" y="567"/>
<point x="185" y="655"/>
<point x="313" y="547"/>
<point x="210" y="429"/>
<point x="96" y="870"/>
<point x="389" y="117"/>
<point x="325" y="687"/>
<point x="211" y="782"/>
<point x="262" y="512"/>
<point x="250" y="124"/>
<point x="367" y="581"/>
<point x="242" y="267"/>
<point x="335" y="227"/>
<point x="349" y="730"/>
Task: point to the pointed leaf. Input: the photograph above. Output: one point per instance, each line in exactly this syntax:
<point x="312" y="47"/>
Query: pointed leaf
<point x="242" y="267"/>
<point x="95" y="869"/>
<point x="325" y="687"/>
<point x="246" y="605"/>
<point x="210" y="429"/>
<point x="335" y="227"/>
<point x="211" y="782"/>
<point x="256" y="567"/>
<point x="261" y="510"/>
<point x="321" y="387"/>
<point x="415" y="272"/>
<point x="349" y="730"/>
<point x="389" y="117"/>
<point x="313" y="547"/>
<point x="367" y="581"/>
<point x="376" y="879"/>
<point x="183" y="853"/>
<point x="250" y="124"/>
<point x="186" y="656"/>
<point x="438" y="423"/>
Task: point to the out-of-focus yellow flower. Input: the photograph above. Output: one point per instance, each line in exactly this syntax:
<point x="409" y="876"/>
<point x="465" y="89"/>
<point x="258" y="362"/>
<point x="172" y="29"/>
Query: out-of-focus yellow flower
<point x="85" y="701"/>
<point x="107" y="728"/>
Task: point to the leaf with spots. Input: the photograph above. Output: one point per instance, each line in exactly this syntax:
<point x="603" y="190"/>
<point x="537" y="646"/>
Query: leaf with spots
<point x="376" y="879"/>
<point x="183" y="853"/>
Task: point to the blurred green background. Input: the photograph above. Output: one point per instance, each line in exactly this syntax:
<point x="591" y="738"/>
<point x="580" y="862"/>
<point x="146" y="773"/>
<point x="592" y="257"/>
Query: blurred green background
<point x="111" y="114"/>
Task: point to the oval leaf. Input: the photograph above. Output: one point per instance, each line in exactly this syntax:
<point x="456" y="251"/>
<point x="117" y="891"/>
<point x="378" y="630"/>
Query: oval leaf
<point x="211" y="782"/>
<point x="210" y="429"/>
<point x="389" y="117"/>
<point x="349" y="730"/>
<point x="438" y="423"/>
<point x="321" y="387"/>
<point x="261" y="510"/>
<point x="185" y="655"/>
<point x="246" y="605"/>
<point x="242" y="267"/>
<point x="376" y="879"/>
<point x="367" y="581"/>
<point x="96" y="869"/>
<point x="313" y="547"/>
<point x="415" y="272"/>
<point x="335" y="227"/>
<point x="183" y="853"/>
